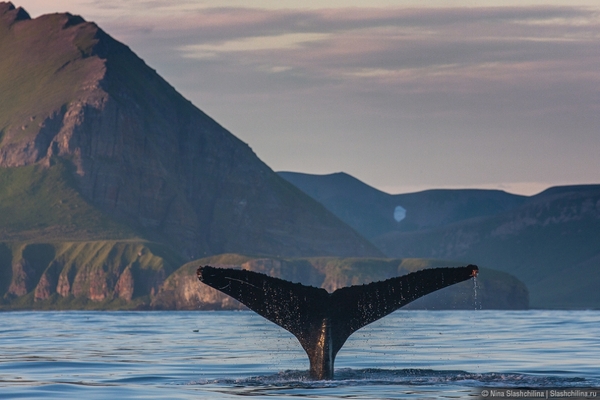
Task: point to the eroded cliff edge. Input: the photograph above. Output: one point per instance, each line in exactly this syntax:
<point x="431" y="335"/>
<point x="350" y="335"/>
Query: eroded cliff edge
<point x="142" y="275"/>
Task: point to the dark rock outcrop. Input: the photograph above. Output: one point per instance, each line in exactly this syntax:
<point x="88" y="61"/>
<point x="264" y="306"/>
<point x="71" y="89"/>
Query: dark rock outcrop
<point x="125" y="286"/>
<point x="22" y="279"/>
<point x="48" y="283"/>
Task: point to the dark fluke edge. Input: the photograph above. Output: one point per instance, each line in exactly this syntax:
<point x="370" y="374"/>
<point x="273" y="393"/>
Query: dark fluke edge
<point x="322" y="321"/>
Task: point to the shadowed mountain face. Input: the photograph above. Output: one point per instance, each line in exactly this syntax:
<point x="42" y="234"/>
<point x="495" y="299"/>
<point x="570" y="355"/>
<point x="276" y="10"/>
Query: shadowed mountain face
<point x="550" y="241"/>
<point x="141" y="153"/>
<point x="374" y="213"/>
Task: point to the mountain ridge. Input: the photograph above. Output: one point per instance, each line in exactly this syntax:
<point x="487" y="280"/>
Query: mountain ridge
<point x="141" y="153"/>
<point x="550" y="241"/>
<point x="371" y="211"/>
<point x="95" y="146"/>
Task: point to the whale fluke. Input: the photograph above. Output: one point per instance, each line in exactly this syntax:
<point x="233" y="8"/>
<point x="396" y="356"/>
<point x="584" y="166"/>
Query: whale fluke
<point x="322" y="321"/>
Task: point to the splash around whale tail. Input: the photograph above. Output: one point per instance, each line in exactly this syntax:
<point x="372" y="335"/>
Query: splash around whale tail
<point x="322" y="321"/>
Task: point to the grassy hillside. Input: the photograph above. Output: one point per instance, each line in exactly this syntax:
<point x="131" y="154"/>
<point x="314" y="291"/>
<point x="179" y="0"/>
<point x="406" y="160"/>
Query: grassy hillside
<point x="83" y="275"/>
<point x="37" y="72"/>
<point x="142" y="153"/>
<point x="43" y="204"/>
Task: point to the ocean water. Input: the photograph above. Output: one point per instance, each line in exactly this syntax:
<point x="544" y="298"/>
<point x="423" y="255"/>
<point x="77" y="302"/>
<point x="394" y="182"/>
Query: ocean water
<point x="225" y="355"/>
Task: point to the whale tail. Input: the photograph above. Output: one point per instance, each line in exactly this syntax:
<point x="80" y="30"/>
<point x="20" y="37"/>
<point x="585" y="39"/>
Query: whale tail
<point x="322" y="321"/>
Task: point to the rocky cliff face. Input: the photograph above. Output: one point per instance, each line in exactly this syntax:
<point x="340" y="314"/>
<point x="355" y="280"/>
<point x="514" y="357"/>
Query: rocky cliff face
<point x="141" y="275"/>
<point x="495" y="290"/>
<point x="70" y="275"/>
<point x="183" y="291"/>
<point x="141" y="152"/>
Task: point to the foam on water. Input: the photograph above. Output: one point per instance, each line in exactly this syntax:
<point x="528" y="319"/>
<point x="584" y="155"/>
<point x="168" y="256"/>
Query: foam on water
<point x="412" y="377"/>
<point x="380" y="382"/>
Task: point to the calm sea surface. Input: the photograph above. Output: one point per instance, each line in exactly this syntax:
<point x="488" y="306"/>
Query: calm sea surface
<point x="224" y="355"/>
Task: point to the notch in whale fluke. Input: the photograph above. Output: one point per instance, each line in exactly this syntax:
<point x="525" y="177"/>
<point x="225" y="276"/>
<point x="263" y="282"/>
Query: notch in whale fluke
<point x="322" y="321"/>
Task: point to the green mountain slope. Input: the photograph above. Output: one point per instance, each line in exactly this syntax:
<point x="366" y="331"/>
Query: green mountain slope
<point x="83" y="275"/>
<point x="40" y="69"/>
<point x="135" y="152"/>
<point x="42" y="204"/>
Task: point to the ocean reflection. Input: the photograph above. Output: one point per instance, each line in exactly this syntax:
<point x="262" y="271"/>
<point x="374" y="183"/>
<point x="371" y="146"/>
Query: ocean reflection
<point x="191" y="355"/>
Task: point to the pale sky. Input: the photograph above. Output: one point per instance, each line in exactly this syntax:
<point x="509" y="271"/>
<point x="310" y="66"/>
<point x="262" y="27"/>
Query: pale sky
<point x="405" y="97"/>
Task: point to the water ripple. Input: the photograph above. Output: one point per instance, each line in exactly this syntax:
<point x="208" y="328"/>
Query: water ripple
<point x="192" y="355"/>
